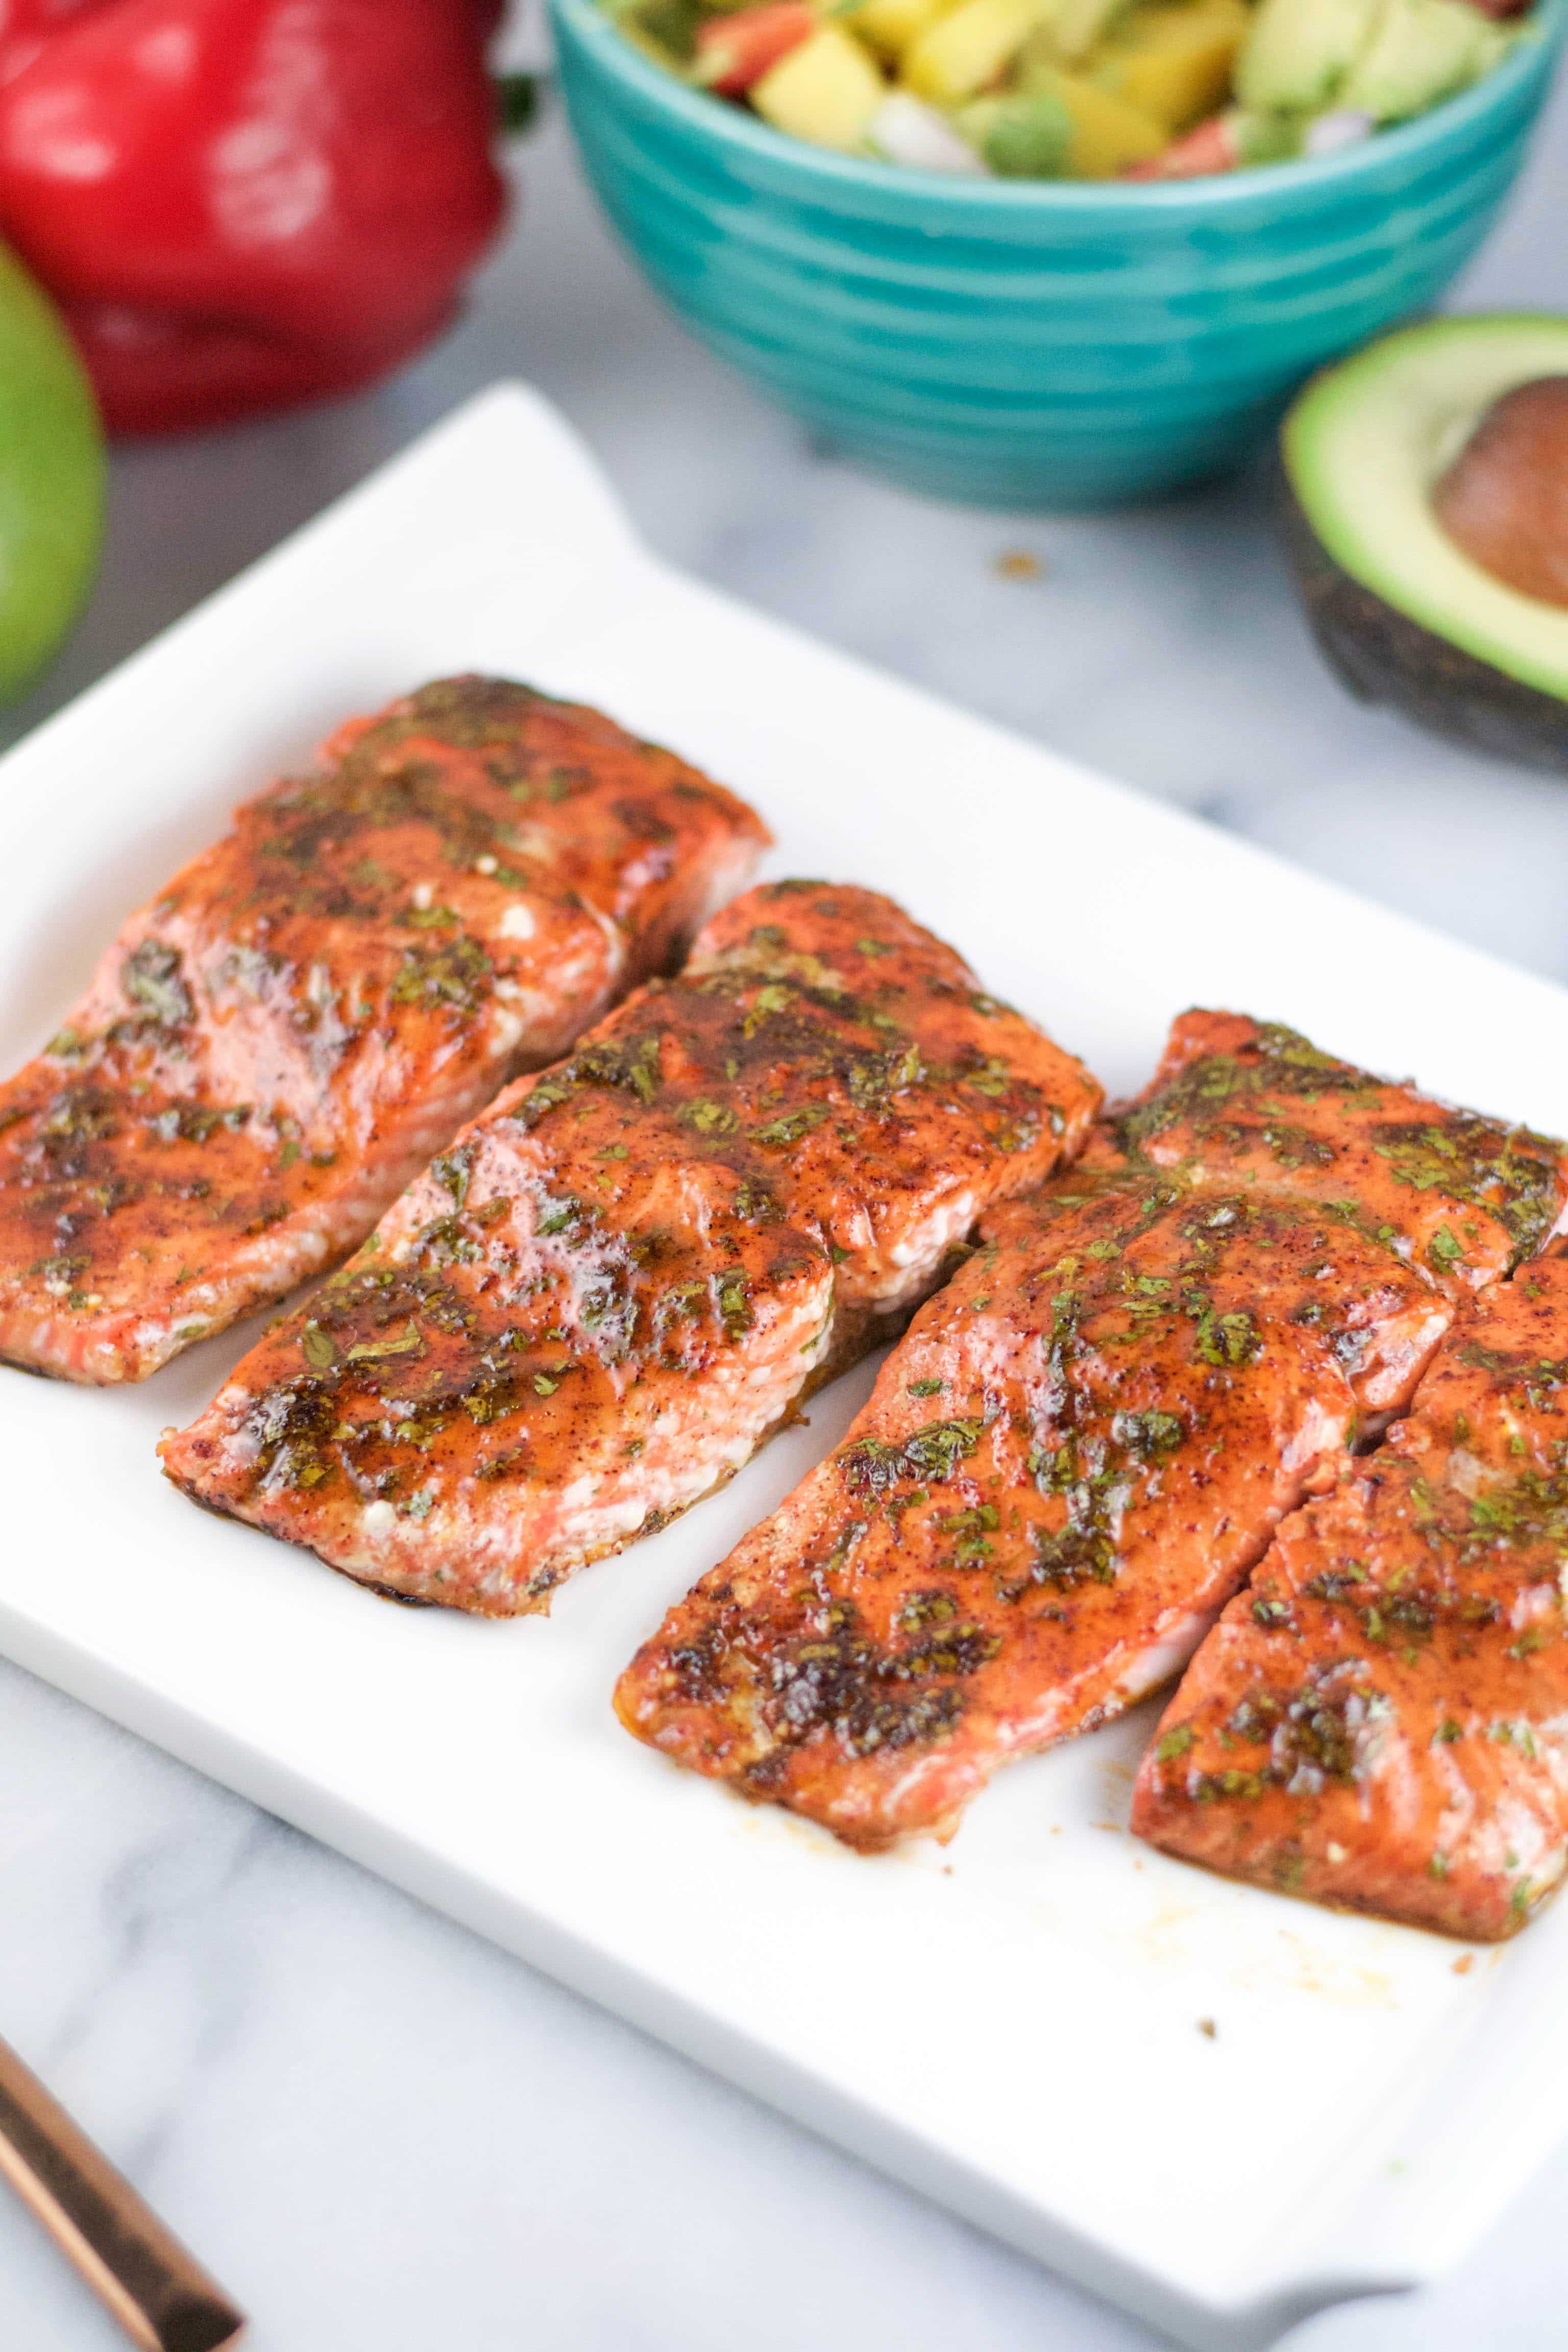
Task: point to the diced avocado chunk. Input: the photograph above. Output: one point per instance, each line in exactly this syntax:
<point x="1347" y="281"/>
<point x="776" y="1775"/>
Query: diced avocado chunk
<point x="1266" y="137"/>
<point x="1298" y="54"/>
<point x="1020" y="138"/>
<point x="1423" y="50"/>
<point x="668" y="29"/>
<point x="826" y="91"/>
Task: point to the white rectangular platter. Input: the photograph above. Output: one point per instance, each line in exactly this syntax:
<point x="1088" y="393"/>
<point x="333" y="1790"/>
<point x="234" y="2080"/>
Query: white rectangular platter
<point x="1012" y="2023"/>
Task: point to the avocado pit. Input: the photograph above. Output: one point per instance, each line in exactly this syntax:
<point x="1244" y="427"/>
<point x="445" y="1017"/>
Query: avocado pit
<point x="1504" y="500"/>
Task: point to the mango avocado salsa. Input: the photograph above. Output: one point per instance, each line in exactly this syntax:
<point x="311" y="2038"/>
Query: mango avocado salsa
<point x="1077" y="90"/>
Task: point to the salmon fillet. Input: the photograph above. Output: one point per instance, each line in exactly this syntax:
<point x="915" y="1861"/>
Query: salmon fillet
<point x="1069" y="1464"/>
<point x="616" y="1283"/>
<point x="1464" y="1196"/>
<point x="271" y="1049"/>
<point x="1084" y="1444"/>
<point x="1382" y="1720"/>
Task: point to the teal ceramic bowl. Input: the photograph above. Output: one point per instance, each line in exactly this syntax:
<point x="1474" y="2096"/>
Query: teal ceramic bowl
<point x="1042" y="344"/>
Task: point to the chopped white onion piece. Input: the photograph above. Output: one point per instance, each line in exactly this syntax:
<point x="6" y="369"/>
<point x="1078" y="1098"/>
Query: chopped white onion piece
<point x="906" y="130"/>
<point x="1343" y="126"/>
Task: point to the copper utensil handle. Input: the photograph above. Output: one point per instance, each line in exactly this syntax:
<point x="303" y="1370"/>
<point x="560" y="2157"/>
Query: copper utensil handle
<point x="160" y="2294"/>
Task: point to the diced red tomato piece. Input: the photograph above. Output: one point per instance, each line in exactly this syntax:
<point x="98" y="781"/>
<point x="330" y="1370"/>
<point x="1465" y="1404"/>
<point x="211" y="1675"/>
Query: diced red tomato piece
<point x="1212" y="147"/>
<point x="734" y="51"/>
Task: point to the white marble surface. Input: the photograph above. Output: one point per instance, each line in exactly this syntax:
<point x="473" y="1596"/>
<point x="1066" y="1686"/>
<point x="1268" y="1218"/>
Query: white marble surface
<point x="378" y="2130"/>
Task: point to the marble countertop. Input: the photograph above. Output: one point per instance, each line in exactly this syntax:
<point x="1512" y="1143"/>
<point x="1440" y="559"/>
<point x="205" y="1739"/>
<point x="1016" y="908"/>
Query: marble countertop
<point x="376" y="2129"/>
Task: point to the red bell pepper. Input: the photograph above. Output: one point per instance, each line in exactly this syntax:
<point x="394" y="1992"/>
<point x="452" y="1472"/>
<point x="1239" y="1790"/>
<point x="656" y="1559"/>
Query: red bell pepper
<point x="735" y="50"/>
<point x="243" y="204"/>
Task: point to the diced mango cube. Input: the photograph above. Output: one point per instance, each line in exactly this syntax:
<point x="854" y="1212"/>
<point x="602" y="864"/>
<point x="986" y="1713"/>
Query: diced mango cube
<point x="966" y="49"/>
<point x="826" y="91"/>
<point x="1076" y="24"/>
<point x="1173" y="62"/>
<point x="892" y="25"/>
<point x="1107" y="134"/>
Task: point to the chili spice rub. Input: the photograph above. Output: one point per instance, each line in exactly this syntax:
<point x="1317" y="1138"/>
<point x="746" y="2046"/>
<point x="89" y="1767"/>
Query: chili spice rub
<point x="1382" y="1720"/>
<point x="272" y="1049"/>
<point x="1084" y="1444"/>
<point x="1464" y="1196"/>
<point x="611" y="1289"/>
<point x="1065" y="1468"/>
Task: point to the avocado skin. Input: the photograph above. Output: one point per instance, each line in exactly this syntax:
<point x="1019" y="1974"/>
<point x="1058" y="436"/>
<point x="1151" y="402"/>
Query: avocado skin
<point x="1384" y="655"/>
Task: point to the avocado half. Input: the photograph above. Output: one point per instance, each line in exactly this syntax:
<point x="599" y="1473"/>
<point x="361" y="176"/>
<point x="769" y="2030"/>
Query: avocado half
<point x="1402" y="613"/>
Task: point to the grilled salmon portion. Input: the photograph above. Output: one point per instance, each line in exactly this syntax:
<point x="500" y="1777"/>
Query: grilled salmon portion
<point x="616" y="1283"/>
<point x="1382" y="1720"/>
<point x="1250" y="1101"/>
<point x="1066" y="1467"/>
<point x="273" y="1047"/>
<point x="1085" y="1443"/>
